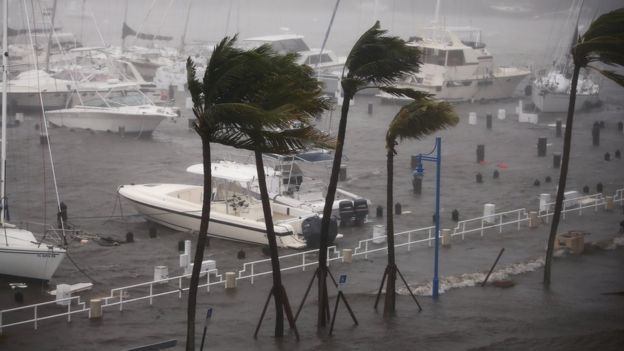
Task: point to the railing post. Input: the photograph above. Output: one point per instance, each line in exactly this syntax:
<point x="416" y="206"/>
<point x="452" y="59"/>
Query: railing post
<point x="252" y="273"/>
<point x="500" y="224"/>
<point x="429" y="238"/>
<point x="519" y="215"/>
<point x="303" y="261"/>
<point x="463" y="230"/>
<point x="69" y="311"/>
<point x="0" y="322"/>
<point x="409" y="240"/>
<point x="36" y="317"/>
<point x="120" y="300"/>
<point x="151" y="292"/>
<point x="482" y="220"/>
<point x="180" y="288"/>
<point x="366" y="250"/>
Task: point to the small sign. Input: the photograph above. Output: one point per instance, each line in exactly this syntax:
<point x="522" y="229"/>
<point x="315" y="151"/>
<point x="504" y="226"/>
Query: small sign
<point x="342" y="281"/>
<point x="209" y="313"/>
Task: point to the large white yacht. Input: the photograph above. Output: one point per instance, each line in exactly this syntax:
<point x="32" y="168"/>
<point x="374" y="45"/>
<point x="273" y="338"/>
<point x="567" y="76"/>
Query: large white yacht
<point x="455" y="69"/>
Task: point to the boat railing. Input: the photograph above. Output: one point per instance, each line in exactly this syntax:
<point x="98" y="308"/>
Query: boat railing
<point x="148" y="291"/>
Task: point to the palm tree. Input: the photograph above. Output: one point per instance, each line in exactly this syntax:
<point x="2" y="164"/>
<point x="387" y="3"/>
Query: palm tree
<point x="247" y="100"/>
<point x="414" y="121"/>
<point x="375" y="61"/>
<point x="603" y="42"/>
<point x="214" y="97"/>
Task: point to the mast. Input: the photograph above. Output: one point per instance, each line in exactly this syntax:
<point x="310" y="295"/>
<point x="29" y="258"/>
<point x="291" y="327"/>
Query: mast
<point x="331" y="22"/>
<point x="188" y="15"/>
<point x="123" y="38"/>
<point x="5" y="68"/>
<point x="50" y="36"/>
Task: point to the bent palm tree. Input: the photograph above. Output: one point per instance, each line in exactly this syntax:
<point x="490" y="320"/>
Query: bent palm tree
<point x="603" y="42"/>
<point x="414" y="121"/>
<point x="255" y="95"/>
<point x="375" y="61"/>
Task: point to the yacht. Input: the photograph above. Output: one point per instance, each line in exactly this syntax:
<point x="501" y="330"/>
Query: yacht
<point x="116" y="111"/>
<point x="459" y="70"/>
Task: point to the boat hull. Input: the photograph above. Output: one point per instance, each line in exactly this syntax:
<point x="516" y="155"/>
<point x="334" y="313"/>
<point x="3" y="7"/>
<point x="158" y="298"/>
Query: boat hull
<point x="153" y="202"/>
<point x="101" y="119"/>
<point x="559" y="102"/>
<point x="22" y="257"/>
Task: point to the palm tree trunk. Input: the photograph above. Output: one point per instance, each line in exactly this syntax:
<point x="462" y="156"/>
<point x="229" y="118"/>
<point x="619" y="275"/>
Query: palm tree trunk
<point x="201" y="245"/>
<point x="270" y="230"/>
<point x="329" y="201"/>
<point x="389" y="306"/>
<point x="563" y="175"/>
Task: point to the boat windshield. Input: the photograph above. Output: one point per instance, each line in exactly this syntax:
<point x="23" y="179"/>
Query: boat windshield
<point x="118" y="99"/>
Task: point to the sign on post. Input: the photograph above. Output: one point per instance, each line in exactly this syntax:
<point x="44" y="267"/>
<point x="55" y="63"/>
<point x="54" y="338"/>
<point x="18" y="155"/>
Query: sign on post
<point x="342" y="281"/>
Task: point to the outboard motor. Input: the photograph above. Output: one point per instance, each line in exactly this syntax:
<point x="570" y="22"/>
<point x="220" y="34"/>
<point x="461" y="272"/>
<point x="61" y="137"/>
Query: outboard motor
<point x="346" y="212"/>
<point x="360" y="208"/>
<point x="311" y="229"/>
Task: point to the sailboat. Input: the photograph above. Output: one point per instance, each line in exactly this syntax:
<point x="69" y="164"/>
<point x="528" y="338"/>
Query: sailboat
<point x="21" y="254"/>
<point x="551" y="88"/>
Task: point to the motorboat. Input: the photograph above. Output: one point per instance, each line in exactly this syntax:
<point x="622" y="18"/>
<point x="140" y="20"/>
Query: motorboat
<point x="234" y="213"/>
<point x="117" y="111"/>
<point x="456" y="66"/>
<point x="288" y="186"/>
<point x="21" y="254"/>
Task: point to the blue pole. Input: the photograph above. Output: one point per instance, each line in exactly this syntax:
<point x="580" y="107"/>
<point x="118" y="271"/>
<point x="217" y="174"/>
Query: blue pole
<point x="435" y="292"/>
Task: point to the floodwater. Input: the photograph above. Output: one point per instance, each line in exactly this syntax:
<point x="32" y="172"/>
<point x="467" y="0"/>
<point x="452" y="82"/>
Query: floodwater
<point x="576" y="313"/>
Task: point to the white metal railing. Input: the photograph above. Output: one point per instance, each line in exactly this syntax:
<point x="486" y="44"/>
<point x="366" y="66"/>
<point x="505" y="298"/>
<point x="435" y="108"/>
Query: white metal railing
<point x="579" y="204"/>
<point x="121" y="296"/>
<point x="37" y="315"/>
<point x="300" y="260"/>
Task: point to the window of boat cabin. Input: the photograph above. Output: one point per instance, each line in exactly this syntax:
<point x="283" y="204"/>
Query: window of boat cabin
<point x="434" y="56"/>
<point x="443" y="57"/>
<point x="455" y="58"/>
<point x="314" y="59"/>
<point x="290" y="45"/>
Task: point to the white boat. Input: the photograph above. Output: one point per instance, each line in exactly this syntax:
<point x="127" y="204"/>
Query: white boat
<point x="234" y="215"/>
<point x="459" y="70"/>
<point x="287" y="186"/>
<point x="21" y="254"/>
<point x="551" y="92"/>
<point x="118" y="111"/>
<point x="551" y="87"/>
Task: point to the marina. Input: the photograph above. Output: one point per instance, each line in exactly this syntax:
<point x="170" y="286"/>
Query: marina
<point x="128" y="254"/>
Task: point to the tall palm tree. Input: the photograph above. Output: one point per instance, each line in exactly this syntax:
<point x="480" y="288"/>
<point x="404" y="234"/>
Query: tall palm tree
<point x="216" y="98"/>
<point x="247" y="100"/>
<point x="414" y="121"/>
<point x="375" y="61"/>
<point x="603" y="42"/>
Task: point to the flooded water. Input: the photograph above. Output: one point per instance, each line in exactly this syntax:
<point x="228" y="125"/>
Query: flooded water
<point x="576" y="313"/>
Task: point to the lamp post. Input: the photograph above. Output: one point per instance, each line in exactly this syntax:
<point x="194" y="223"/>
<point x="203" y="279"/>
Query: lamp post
<point x="419" y="172"/>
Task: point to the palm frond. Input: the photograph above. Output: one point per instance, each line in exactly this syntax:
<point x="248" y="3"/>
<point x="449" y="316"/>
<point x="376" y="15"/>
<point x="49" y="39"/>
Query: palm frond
<point x="379" y="59"/>
<point x="420" y="118"/>
<point x="602" y="42"/>
<point x="405" y="92"/>
<point x="616" y="77"/>
<point x="194" y="85"/>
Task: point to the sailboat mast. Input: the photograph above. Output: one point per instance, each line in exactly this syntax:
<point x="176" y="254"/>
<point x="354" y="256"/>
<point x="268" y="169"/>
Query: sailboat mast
<point x="188" y="15"/>
<point x="5" y="76"/>
<point x="50" y="36"/>
<point x="123" y="37"/>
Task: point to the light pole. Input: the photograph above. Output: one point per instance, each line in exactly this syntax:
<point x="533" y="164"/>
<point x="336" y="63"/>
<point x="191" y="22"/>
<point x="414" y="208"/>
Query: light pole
<point x="419" y="172"/>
